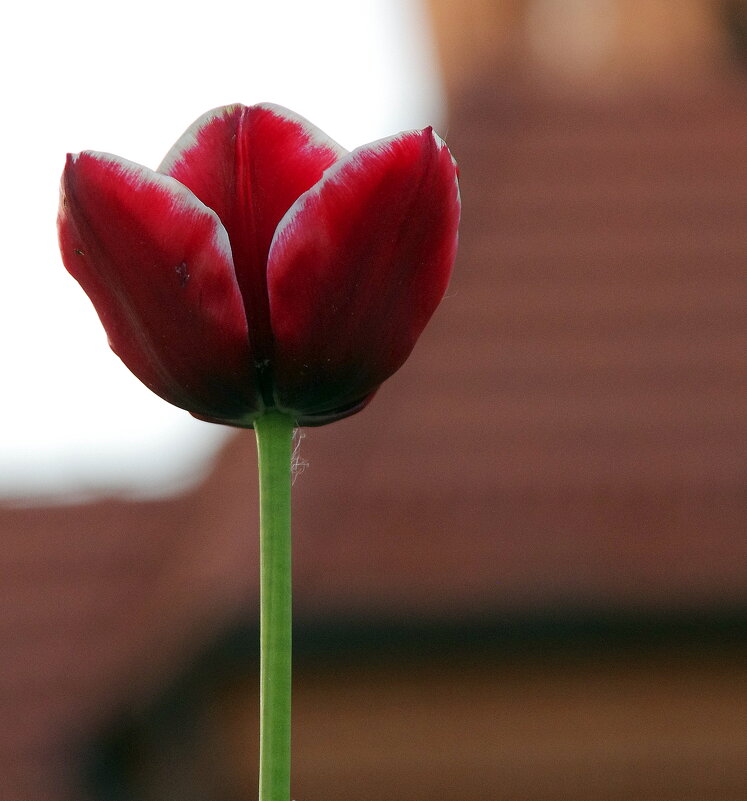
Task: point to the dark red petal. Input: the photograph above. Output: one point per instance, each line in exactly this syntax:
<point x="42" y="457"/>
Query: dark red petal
<point x="250" y="164"/>
<point x="157" y="265"/>
<point x="339" y="413"/>
<point x="357" y="267"/>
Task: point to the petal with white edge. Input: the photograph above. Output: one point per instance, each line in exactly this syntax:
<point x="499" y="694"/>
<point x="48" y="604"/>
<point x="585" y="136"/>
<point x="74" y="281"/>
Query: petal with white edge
<point x="250" y="164"/>
<point x="357" y="268"/>
<point x="156" y="263"/>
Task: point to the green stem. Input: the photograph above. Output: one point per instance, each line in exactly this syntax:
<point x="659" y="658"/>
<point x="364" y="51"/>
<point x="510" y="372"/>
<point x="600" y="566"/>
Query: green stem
<point x="274" y="447"/>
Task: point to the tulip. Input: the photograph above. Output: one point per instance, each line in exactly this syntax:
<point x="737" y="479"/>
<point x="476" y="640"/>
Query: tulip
<point x="265" y="278"/>
<point x="262" y="267"/>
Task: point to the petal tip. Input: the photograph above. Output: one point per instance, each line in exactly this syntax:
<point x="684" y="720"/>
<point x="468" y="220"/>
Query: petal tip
<point x="191" y="135"/>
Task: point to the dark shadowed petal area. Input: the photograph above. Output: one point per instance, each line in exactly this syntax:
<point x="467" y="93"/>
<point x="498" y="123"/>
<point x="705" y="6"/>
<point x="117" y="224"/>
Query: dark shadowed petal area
<point x="356" y="269"/>
<point x="157" y="265"/>
<point x="250" y="164"/>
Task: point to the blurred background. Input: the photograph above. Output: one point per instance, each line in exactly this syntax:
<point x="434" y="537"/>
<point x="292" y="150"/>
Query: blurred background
<point x="521" y="573"/>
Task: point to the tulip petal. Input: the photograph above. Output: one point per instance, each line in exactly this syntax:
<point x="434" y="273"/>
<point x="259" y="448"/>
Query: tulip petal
<point x="156" y="263"/>
<point x="250" y="164"/>
<point x="356" y="269"/>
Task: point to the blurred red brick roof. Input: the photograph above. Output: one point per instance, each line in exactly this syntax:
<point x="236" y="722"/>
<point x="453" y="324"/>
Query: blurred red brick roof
<point x="569" y="433"/>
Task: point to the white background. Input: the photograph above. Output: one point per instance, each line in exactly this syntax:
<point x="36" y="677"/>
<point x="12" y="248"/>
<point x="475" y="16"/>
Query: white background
<point x="83" y="75"/>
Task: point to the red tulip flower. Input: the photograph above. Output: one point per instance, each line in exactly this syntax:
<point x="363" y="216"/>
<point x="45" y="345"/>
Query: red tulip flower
<point x="262" y="267"/>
